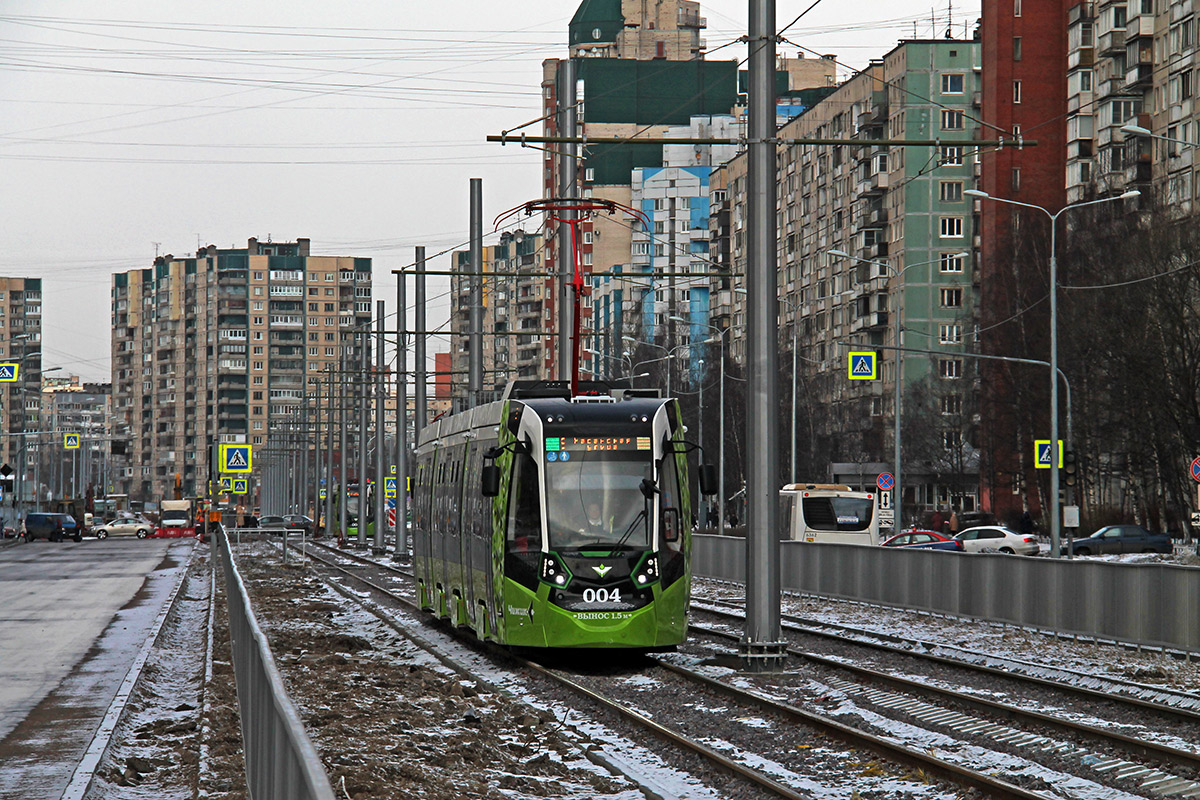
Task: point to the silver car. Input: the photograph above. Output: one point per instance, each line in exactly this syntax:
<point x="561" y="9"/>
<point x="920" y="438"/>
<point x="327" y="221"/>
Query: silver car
<point x="125" y="526"/>
<point x="998" y="539"/>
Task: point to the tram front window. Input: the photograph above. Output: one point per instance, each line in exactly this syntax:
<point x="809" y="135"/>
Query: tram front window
<point x="594" y="499"/>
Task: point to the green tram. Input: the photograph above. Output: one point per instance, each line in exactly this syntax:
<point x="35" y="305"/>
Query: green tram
<point x="543" y="520"/>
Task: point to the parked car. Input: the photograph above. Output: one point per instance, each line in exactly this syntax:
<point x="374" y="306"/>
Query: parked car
<point x="999" y="539"/>
<point x="931" y="540"/>
<point x="54" y="527"/>
<point x="291" y="522"/>
<point x="125" y="526"/>
<point x="1121" y="539"/>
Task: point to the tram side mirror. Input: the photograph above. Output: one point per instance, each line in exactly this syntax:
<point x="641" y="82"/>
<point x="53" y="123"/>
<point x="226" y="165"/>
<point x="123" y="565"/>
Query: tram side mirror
<point x="670" y="526"/>
<point x="648" y="488"/>
<point x="708" y="479"/>
<point x="490" y="478"/>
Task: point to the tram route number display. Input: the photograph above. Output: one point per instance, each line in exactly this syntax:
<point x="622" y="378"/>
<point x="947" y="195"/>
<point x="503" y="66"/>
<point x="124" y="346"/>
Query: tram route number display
<point x="596" y="443"/>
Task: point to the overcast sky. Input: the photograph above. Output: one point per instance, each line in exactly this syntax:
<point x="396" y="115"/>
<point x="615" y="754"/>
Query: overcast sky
<point x="130" y="127"/>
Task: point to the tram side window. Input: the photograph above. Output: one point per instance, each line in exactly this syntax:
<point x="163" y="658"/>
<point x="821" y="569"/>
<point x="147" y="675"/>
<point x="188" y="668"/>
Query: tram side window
<point x="524" y="535"/>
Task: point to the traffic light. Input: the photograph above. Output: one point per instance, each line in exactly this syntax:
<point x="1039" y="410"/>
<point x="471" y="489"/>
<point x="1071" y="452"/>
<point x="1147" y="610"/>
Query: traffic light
<point x="1070" y="468"/>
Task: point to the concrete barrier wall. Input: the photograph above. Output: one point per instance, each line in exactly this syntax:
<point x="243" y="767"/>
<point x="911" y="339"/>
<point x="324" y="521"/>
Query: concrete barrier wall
<point x="1148" y="604"/>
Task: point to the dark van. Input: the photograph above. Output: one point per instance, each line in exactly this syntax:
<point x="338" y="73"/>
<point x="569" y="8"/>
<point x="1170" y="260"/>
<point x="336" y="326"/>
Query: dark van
<point x="54" y="527"/>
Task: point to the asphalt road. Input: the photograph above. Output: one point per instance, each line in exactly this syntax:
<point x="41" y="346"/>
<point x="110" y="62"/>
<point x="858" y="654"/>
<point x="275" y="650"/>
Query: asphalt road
<point x="73" y="617"/>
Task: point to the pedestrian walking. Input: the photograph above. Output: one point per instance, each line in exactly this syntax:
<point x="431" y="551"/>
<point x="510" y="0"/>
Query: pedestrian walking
<point x="953" y="523"/>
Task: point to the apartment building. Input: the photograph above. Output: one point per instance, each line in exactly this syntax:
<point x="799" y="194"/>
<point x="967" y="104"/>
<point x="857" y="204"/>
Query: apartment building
<point x="874" y="249"/>
<point x="513" y="312"/>
<point x="21" y="343"/>
<point x="222" y="346"/>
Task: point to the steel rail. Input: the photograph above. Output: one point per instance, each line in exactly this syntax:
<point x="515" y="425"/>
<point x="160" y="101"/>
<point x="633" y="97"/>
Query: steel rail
<point x="800" y="625"/>
<point x="1139" y="747"/>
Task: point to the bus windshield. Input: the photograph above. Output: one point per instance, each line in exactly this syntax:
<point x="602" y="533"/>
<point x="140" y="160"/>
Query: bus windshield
<point x="593" y="499"/>
<point x="835" y="513"/>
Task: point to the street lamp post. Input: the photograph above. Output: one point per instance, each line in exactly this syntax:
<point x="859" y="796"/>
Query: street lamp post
<point x="897" y="400"/>
<point x="1055" y="522"/>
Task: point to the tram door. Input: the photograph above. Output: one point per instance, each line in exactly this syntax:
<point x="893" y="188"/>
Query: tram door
<point x="472" y="512"/>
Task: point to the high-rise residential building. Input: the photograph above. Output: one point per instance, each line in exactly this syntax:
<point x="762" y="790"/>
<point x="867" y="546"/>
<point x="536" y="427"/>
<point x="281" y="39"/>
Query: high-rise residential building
<point x="513" y="294"/>
<point x="899" y="216"/>
<point x="21" y="344"/>
<point x="223" y="346"/>
<point x="1034" y="54"/>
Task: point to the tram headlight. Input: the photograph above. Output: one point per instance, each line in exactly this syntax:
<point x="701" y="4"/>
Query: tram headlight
<point x="553" y="570"/>
<point x="648" y="572"/>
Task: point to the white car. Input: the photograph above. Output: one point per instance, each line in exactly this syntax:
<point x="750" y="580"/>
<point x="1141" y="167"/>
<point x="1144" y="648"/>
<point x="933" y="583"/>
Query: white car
<point x="125" y="526"/>
<point x="997" y="538"/>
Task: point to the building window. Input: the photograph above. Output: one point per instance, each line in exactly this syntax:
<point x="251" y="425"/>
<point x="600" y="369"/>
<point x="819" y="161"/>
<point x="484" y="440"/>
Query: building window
<point x="951" y="405"/>
<point x="952" y="156"/>
<point x="952" y="440"/>
<point x="949" y="333"/>
<point x="951" y="191"/>
<point x="1016" y="179"/>
<point x="258" y="276"/>
<point x="952" y="83"/>
<point x="1016" y="8"/>
<point x="952" y="120"/>
<point x="950" y="298"/>
<point x="258" y="365"/>
<point x="950" y="368"/>
<point x="1016" y="91"/>
<point x="951" y="227"/>
<point x="1016" y="48"/>
<point x="951" y="262"/>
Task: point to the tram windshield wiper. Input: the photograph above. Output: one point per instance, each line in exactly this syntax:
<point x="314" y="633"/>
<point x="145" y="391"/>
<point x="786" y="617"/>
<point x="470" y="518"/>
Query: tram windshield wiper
<point x="620" y="545"/>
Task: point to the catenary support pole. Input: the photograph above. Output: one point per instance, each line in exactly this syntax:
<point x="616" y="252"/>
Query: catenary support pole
<point x="421" y="413"/>
<point x="364" y="429"/>
<point x="475" y="361"/>
<point x="401" y="541"/>
<point x="343" y="424"/>
<point x="331" y="527"/>
<point x="567" y="167"/>
<point x="381" y="452"/>
<point x="761" y="648"/>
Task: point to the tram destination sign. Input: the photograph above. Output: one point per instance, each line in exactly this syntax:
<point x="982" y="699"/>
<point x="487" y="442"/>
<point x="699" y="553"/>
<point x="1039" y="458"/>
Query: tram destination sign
<point x="584" y="444"/>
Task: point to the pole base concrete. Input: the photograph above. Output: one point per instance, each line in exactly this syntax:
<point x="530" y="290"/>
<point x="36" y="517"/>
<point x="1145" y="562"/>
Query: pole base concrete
<point x="762" y="657"/>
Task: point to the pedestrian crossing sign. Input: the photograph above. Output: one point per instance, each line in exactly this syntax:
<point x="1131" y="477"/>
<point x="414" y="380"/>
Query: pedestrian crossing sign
<point x="8" y="372"/>
<point x="241" y="486"/>
<point x="1041" y="453"/>
<point x="389" y="487"/>
<point x="235" y="458"/>
<point x="70" y="441"/>
<point x="864" y="366"/>
<point x="226" y="484"/>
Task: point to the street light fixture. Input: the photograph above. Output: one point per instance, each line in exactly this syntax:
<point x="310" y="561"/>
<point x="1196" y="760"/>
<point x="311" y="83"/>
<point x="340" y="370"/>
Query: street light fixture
<point x="1054" y="510"/>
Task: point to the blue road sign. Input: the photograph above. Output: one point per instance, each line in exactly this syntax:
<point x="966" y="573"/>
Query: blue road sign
<point x="241" y="486"/>
<point x="1196" y="469"/>
<point x="1042" y="454"/>
<point x="70" y="441"/>
<point x="389" y="487"/>
<point x="885" y="481"/>
<point x="235" y="458"/>
<point x="863" y="366"/>
<point x="226" y="484"/>
<point x="322" y="494"/>
<point x="8" y="372"/>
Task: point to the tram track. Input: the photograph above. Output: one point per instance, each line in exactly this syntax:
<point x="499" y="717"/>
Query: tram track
<point x="922" y="761"/>
<point x="1106" y="755"/>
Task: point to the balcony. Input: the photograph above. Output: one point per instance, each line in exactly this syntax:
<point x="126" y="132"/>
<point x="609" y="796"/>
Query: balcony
<point x="1138" y="76"/>
<point x="1110" y="42"/>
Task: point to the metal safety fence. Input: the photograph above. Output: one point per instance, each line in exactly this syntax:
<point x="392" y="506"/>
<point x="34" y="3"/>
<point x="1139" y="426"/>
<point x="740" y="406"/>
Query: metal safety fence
<point x="1151" y="604"/>
<point x="281" y="761"/>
